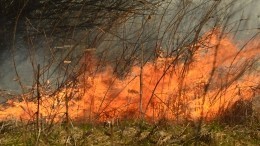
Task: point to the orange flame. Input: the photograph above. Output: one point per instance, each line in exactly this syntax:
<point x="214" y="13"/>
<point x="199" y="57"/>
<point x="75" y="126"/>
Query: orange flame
<point x="216" y="76"/>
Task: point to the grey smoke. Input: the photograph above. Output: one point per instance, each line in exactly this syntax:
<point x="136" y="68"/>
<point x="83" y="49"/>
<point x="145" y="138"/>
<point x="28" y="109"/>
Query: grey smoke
<point x="248" y="10"/>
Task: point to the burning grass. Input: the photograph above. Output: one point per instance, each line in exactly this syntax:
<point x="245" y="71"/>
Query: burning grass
<point x="200" y="90"/>
<point x="215" y="76"/>
<point x="218" y="82"/>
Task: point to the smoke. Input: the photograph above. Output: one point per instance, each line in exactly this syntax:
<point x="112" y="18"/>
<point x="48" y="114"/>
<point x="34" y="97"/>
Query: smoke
<point x="8" y="77"/>
<point x="127" y="40"/>
<point x="23" y="64"/>
<point x="246" y="19"/>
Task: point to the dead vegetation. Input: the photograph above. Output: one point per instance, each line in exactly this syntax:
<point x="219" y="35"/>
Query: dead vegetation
<point x="141" y="67"/>
<point x="130" y="133"/>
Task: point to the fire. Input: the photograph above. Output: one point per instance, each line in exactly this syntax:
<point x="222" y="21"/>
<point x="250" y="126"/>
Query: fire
<point x="215" y="76"/>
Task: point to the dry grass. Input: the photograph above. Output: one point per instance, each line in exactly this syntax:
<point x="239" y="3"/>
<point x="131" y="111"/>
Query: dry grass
<point x="131" y="43"/>
<point x="131" y="133"/>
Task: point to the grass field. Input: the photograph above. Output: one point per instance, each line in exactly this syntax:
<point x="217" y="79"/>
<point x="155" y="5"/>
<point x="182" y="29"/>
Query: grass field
<point x="131" y="133"/>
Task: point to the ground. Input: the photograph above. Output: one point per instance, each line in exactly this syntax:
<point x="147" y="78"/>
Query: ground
<point x="130" y="133"/>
